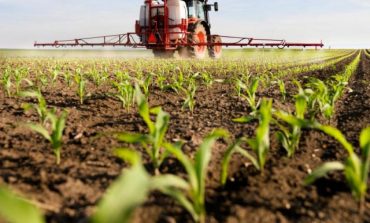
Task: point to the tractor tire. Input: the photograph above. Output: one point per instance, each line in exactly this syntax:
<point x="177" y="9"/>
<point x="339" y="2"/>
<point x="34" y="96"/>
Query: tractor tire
<point x="163" y="54"/>
<point x="197" y="34"/>
<point x="215" y="51"/>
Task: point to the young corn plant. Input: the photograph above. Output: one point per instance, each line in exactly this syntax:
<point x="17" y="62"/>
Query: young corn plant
<point x="260" y="145"/>
<point x="194" y="200"/>
<point x="20" y="76"/>
<point x="207" y="79"/>
<point x="355" y="168"/>
<point x="98" y="77"/>
<point x="132" y="189"/>
<point x="42" y="78"/>
<point x="145" y="84"/>
<point x="81" y="85"/>
<point x="250" y="93"/>
<point x="177" y="81"/>
<point x="54" y="75"/>
<point x="54" y="133"/>
<point x="290" y="137"/>
<point x="68" y="78"/>
<point x="41" y="107"/>
<point x="125" y="93"/>
<point x="190" y="93"/>
<point x="154" y="140"/>
<point x="161" y="80"/>
<point x="6" y="81"/>
<point x="282" y="88"/>
<point x="319" y="97"/>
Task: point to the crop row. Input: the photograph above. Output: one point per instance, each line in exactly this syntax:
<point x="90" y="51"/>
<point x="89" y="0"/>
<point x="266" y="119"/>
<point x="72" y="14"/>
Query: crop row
<point x="367" y="53"/>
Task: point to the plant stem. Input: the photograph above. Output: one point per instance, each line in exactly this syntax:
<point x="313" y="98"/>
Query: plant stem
<point x="57" y="155"/>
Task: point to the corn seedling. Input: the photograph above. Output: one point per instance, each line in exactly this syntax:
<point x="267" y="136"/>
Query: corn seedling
<point x="194" y="200"/>
<point x="250" y="91"/>
<point x="16" y="209"/>
<point x="6" y="81"/>
<point x="41" y="107"/>
<point x="177" y="80"/>
<point x="19" y="77"/>
<point x="207" y="79"/>
<point x="282" y="89"/>
<point x="190" y="93"/>
<point x="43" y="78"/>
<point x="54" y="75"/>
<point x="81" y="85"/>
<point x="290" y="137"/>
<point x="355" y="168"/>
<point x="125" y="93"/>
<point x="260" y="145"/>
<point x="153" y="141"/>
<point x="68" y="78"/>
<point x="131" y="190"/>
<point x="57" y="125"/>
<point x="97" y="77"/>
<point x="145" y="84"/>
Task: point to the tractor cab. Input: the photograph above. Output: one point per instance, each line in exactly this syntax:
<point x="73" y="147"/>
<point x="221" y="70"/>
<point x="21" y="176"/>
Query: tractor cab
<point x="198" y="9"/>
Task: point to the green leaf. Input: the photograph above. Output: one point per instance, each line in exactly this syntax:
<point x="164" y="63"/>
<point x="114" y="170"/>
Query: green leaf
<point x="165" y="181"/>
<point x="301" y="106"/>
<point x="365" y="138"/>
<point x="365" y="147"/>
<point x="254" y="86"/>
<point x="41" y="130"/>
<point x="353" y="172"/>
<point x="161" y="126"/>
<point x="17" y="210"/>
<point x="244" y="119"/>
<point x="182" y="200"/>
<point x="249" y="157"/>
<point x="128" y="192"/>
<point x="143" y="108"/>
<point x="128" y="155"/>
<point x="31" y="94"/>
<point x="131" y="137"/>
<point x="203" y="156"/>
<point x="323" y="171"/>
<point x="294" y="121"/>
<point x="336" y="134"/>
<point x="226" y="160"/>
<point x="185" y="161"/>
<point x="60" y="125"/>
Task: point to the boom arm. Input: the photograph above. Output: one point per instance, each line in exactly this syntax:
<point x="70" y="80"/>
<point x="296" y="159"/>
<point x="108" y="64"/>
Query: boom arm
<point x="131" y="40"/>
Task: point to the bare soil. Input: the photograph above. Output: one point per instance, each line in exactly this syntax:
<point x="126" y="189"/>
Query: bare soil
<point x="69" y="192"/>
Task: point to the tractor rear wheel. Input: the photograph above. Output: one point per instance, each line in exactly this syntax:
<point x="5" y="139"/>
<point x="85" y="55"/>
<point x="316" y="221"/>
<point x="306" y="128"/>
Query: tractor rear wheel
<point x="215" y="51"/>
<point x="197" y="34"/>
<point x="163" y="54"/>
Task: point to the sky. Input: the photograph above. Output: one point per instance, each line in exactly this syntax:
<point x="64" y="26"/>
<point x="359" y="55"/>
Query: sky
<point x="338" y="23"/>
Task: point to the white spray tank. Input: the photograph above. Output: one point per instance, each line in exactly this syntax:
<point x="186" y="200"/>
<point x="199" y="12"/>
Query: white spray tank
<point x="177" y="11"/>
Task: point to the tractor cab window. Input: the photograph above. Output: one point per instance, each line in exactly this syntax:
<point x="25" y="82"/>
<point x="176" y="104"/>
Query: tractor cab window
<point x="191" y="9"/>
<point x="200" y="11"/>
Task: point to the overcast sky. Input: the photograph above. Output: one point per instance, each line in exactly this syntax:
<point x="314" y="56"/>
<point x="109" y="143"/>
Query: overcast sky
<point x="339" y="23"/>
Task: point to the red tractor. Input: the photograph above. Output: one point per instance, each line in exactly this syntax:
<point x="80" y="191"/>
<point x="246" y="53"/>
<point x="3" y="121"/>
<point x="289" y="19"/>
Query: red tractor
<point x="178" y="25"/>
<point x="167" y="26"/>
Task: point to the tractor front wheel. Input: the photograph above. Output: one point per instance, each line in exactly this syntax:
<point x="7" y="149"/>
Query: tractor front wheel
<point x="197" y="35"/>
